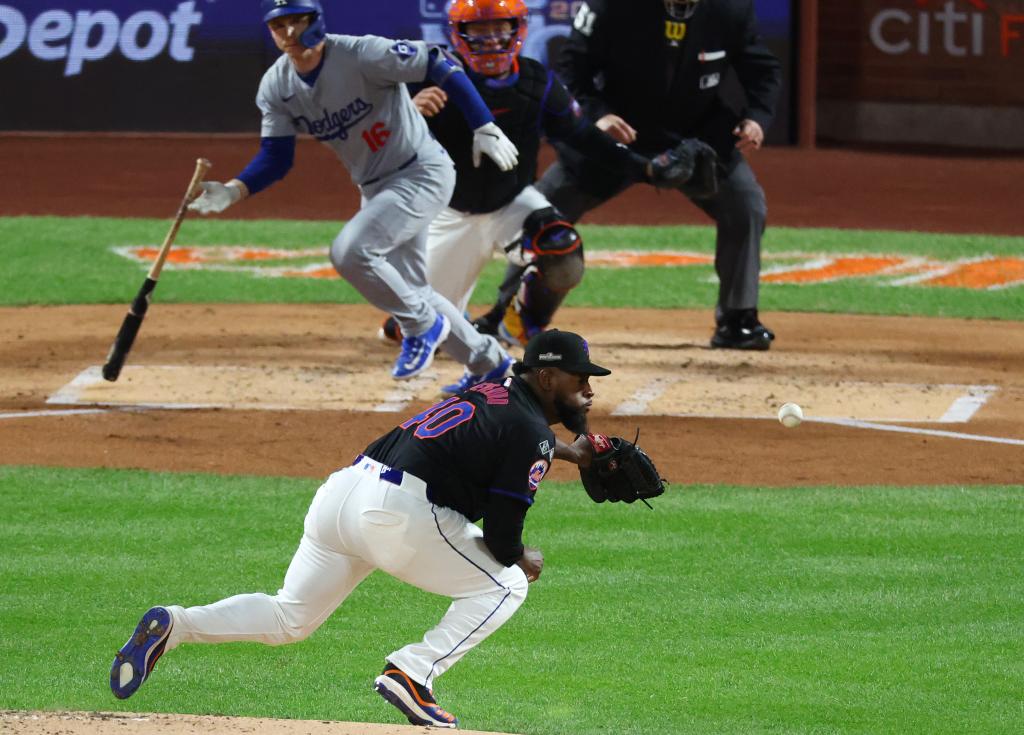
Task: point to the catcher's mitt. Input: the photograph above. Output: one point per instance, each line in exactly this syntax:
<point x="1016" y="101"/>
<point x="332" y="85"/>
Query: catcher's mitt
<point x="691" y="167"/>
<point x="620" y="470"/>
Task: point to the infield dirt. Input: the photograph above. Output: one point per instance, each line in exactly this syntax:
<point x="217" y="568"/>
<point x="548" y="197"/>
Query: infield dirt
<point x="232" y="354"/>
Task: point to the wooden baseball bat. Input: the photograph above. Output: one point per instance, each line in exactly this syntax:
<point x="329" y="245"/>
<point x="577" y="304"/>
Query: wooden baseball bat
<point x="133" y="319"/>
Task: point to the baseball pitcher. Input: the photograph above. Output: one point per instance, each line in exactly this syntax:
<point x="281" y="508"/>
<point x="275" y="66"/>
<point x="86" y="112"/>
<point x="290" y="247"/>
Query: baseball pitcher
<point x="408" y="505"/>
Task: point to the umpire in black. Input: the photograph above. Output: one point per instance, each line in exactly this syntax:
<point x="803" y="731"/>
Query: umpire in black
<point x="650" y="72"/>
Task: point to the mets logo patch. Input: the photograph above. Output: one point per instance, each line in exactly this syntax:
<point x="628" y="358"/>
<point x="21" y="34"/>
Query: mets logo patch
<point x="403" y="49"/>
<point x="537" y="472"/>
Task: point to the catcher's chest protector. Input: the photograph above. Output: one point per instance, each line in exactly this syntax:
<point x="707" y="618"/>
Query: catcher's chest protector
<point x="517" y="111"/>
<point x="517" y="108"/>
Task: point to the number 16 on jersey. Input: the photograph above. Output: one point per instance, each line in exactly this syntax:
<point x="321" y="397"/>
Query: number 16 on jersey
<point x="376" y="136"/>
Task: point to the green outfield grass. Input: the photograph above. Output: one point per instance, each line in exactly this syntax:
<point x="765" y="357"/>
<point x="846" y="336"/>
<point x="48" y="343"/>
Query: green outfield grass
<point x="725" y="610"/>
<point x="52" y="260"/>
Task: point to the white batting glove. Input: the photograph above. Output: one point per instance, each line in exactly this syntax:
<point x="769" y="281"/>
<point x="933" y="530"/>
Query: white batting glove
<point x="216" y="197"/>
<point x="491" y="140"/>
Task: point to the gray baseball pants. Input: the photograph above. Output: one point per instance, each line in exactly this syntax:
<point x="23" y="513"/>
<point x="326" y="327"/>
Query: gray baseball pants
<point x="381" y="251"/>
<point x="739" y="211"/>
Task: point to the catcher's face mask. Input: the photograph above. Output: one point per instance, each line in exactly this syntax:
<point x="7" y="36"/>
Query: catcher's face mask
<point x="680" y="9"/>
<point x="488" y="34"/>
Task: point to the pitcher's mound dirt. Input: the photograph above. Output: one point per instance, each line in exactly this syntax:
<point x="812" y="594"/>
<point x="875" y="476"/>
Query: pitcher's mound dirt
<point x="126" y="723"/>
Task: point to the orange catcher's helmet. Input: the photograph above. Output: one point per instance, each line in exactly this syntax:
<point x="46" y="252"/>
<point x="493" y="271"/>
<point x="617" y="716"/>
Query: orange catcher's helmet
<point x="491" y="54"/>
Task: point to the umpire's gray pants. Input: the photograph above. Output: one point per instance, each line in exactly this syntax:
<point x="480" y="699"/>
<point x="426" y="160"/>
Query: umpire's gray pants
<point x="381" y="251"/>
<point x="739" y="210"/>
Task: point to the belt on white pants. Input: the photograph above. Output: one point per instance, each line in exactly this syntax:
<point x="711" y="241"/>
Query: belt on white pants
<point x="399" y="478"/>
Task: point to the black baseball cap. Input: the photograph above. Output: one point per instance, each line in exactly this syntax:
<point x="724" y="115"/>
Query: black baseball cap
<point x="564" y="350"/>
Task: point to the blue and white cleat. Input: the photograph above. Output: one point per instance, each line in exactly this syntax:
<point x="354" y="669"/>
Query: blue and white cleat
<point x="136" y="659"/>
<point x="468" y="380"/>
<point x="413" y="700"/>
<point x="418" y="352"/>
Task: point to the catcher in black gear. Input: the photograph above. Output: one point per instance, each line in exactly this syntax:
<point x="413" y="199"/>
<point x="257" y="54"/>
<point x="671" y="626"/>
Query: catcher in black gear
<point x="495" y="211"/>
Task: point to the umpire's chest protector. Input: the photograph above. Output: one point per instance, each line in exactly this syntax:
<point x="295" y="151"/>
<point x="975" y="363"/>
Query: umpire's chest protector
<point x="666" y="76"/>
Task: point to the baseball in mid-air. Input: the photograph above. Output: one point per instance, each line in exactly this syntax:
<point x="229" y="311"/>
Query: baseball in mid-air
<point x="790" y="415"/>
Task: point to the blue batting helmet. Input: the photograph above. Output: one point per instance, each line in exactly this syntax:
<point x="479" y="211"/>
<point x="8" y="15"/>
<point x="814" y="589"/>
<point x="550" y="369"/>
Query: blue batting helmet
<point x="316" y="31"/>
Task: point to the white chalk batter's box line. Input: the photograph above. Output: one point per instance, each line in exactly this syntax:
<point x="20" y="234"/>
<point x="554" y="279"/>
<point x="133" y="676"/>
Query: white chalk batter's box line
<point x="961" y="410"/>
<point x="98" y="409"/>
<point x="396" y="400"/>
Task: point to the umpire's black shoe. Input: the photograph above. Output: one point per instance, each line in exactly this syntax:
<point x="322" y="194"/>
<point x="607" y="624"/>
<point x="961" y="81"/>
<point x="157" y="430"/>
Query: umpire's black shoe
<point x="741" y="330"/>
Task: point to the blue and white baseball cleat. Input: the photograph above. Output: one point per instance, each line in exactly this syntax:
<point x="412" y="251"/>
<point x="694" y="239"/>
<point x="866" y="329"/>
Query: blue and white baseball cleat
<point x="136" y="659"/>
<point x="468" y="380"/>
<point x="418" y="352"/>
<point x="414" y="700"/>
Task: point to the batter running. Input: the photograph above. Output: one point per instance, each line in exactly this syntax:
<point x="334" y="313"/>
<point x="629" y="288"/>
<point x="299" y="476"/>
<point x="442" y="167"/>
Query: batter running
<point x="407" y="505"/>
<point x="349" y="93"/>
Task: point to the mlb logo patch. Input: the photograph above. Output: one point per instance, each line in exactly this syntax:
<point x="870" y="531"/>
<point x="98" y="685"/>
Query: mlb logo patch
<point x="710" y="80"/>
<point x="404" y="50"/>
<point x="537" y="472"/>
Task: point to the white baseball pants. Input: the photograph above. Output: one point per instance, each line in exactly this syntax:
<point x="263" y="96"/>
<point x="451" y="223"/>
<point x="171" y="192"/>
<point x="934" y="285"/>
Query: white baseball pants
<point x="356" y="523"/>
<point x="459" y="245"/>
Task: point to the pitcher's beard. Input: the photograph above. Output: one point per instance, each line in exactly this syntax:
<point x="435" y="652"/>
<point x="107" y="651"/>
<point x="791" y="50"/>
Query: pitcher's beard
<point x="574" y="419"/>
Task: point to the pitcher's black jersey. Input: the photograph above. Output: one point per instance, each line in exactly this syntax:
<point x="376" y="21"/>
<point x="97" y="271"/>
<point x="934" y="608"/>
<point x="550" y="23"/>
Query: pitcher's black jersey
<point x="482" y="453"/>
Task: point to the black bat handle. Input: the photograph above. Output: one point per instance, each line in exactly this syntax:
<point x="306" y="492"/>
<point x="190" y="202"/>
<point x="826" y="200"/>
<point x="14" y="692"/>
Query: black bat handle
<point x="129" y="329"/>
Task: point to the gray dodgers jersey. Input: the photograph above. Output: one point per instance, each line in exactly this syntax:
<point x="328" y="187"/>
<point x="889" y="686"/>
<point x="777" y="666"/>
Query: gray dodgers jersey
<point x="359" y="105"/>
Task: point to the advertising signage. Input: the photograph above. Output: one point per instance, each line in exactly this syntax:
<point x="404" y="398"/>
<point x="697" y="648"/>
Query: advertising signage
<point x="194" y="65"/>
<point x="169" y="65"/>
<point x="943" y="72"/>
